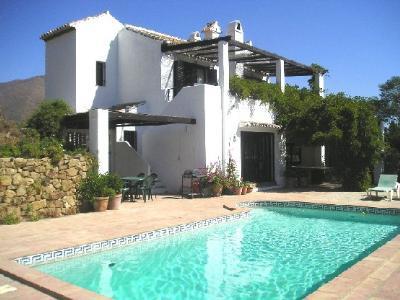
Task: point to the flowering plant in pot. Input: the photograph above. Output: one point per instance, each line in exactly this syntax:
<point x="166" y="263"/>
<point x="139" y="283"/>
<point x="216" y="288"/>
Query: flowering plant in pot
<point x="212" y="182"/>
<point x="115" y="183"/>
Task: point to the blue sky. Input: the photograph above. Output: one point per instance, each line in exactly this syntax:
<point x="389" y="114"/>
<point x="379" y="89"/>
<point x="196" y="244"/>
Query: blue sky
<point x="358" y="41"/>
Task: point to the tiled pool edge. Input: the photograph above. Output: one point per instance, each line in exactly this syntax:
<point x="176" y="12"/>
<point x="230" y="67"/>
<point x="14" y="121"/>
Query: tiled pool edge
<point x="104" y="245"/>
<point x="98" y="246"/>
<point x="323" y="206"/>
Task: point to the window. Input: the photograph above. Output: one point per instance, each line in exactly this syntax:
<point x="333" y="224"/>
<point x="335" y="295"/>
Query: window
<point x="100" y="73"/>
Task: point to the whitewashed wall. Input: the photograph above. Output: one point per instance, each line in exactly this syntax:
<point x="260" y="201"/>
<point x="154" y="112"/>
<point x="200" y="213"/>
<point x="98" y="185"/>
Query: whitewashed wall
<point x="60" y="80"/>
<point x="253" y="112"/>
<point x="140" y="71"/>
<point x="171" y="149"/>
<point x="96" y="40"/>
<point x="127" y="162"/>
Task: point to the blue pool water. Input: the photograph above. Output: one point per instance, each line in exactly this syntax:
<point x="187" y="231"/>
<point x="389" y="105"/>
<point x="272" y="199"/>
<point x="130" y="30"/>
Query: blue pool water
<point x="276" y="253"/>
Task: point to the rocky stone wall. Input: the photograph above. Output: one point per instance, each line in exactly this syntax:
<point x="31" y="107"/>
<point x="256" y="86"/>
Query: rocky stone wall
<point x="36" y="187"/>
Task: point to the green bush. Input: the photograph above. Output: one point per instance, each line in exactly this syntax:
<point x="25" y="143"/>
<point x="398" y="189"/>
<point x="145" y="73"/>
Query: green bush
<point x="94" y="185"/>
<point x="31" y="146"/>
<point x="33" y="216"/>
<point x="115" y="183"/>
<point x="9" y="219"/>
<point x="10" y="151"/>
<point x="48" y="117"/>
<point x="52" y="148"/>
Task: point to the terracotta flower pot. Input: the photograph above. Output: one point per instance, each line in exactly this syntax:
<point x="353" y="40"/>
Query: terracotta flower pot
<point x="244" y="190"/>
<point x="115" y="202"/>
<point x="100" y="204"/>
<point x="216" y="190"/>
<point x="236" y="190"/>
<point x="249" y="189"/>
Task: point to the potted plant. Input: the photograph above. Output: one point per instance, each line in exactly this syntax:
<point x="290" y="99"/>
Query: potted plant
<point x="236" y="187"/>
<point x="115" y="183"/>
<point x="212" y="181"/>
<point x="250" y="186"/>
<point x="244" y="188"/>
<point x="227" y="186"/>
<point x="205" y="187"/>
<point x="217" y="186"/>
<point x="94" y="189"/>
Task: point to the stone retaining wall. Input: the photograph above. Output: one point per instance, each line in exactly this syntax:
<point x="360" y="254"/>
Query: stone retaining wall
<point x="36" y="187"/>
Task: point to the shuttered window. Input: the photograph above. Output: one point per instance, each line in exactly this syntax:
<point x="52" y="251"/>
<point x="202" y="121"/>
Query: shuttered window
<point x="187" y="74"/>
<point x="100" y="73"/>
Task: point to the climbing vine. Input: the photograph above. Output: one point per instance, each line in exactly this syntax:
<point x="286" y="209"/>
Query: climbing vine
<point x="346" y="125"/>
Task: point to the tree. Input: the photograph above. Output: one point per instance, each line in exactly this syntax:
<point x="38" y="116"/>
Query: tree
<point x="389" y="102"/>
<point x="392" y="151"/>
<point x="47" y="118"/>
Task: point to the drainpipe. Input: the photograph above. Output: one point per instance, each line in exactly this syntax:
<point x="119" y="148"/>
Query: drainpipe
<point x="223" y="64"/>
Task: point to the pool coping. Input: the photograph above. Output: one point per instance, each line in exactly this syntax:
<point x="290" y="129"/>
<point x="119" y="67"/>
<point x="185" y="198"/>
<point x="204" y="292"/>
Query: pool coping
<point x="62" y="290"/>
<point x="109" y="244"/>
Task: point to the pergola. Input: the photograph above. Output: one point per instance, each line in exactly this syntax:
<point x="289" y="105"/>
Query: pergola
<point x="223" y="51"/>
<point x="120" y="119"/>
<point x="257" y="59"/>
<point x="100" y="121"/>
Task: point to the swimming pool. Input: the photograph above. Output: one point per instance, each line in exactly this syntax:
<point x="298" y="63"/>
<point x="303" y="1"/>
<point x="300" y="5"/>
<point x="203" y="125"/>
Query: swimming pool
<point x="276" y="253"/>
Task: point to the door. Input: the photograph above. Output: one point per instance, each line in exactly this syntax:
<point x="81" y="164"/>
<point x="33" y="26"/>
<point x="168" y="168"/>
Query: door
<point x="257" y="150"/>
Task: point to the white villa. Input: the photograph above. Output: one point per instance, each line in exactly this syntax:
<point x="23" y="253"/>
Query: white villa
<point x="153" y="102"/>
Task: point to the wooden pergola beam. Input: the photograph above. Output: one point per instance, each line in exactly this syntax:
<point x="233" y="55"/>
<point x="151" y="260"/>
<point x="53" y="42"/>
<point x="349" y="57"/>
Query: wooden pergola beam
<point x="207" y="49"/>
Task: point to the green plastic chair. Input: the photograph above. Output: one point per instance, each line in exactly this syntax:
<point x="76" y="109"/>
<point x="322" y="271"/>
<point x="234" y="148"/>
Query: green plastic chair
<point x="387" y="183"/>
<point x="145" y="187"/>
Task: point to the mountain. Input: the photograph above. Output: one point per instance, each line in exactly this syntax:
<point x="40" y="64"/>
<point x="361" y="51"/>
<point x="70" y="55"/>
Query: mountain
<point x="19" y="98"/>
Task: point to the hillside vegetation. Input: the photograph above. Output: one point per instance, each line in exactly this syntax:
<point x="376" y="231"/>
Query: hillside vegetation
<point x="19" y="98"/>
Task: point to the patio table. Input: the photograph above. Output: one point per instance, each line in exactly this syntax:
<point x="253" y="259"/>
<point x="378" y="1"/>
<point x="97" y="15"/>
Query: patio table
<point x="132" y="182"/>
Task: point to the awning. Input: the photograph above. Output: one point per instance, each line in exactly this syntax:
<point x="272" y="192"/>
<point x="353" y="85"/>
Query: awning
<point x="244" y="124"/>
<point x="118" y="119"/>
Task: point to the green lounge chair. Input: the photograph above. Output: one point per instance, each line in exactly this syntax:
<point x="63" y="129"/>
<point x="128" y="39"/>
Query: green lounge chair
<point x="387" y="183"/>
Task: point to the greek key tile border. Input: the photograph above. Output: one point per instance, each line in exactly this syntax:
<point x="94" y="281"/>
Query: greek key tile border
<point x="109" y="244"/>
<point x="350" y="208"/>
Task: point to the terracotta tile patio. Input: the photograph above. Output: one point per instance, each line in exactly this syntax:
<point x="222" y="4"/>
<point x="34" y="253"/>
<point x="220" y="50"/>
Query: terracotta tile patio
<point x="377" y="276"/>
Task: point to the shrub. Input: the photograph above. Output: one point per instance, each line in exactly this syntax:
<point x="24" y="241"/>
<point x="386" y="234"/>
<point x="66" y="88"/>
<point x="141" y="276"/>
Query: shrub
<point x="33" y="216"/>
<point x="114" y="182"/>
<point x="52" y="148"/>
<point x="10" y="218"/>
<point x="94" y="185"/>
<point x="48" y="117"/>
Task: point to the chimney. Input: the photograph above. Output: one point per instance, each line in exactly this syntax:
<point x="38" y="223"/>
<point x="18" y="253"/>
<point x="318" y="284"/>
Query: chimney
<point x="194" y="37"/>
<point x="212" y="30"/>
<point x="235" y="30"/>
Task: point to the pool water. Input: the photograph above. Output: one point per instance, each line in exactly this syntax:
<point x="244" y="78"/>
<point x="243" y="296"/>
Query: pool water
<point x="276" y="253"/>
